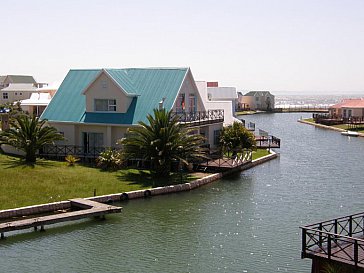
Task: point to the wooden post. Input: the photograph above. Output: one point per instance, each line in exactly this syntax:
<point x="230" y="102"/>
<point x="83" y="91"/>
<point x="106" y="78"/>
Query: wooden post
<point x="350" y="225"/>
<point x="356" y="253"/>
<point x="42" y="228"/>
<point x="303" y="251"/>
<point x="329" y="246"/>
<point x="320" y="235"/>
<point x="2" y="236"/>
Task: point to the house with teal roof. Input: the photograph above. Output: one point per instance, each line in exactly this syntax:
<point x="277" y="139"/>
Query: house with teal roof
<point x="95" y="107"/>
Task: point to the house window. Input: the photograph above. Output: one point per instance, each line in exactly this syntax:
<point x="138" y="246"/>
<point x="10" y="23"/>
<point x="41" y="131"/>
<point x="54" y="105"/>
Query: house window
<point x="181" y="103"/>
<point x="104" y="105"/>
<point x="20" y="93"/>
<point x="192" y="103"/>
<point x="216" y="137"/>
<point x="16" y="93"/>
<point x="5" y="96"/>
<point x="256" y="98"/>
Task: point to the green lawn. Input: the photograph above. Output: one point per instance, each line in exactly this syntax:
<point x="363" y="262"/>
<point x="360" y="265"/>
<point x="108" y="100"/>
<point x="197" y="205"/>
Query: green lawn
<point x="346" y="127"/>
<point x="259" y="153"/>
<point x="359" y="129"/>
<point x="50" y="181"/>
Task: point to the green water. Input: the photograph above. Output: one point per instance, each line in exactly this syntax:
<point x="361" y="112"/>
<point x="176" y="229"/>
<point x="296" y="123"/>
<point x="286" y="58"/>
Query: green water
<point x="248" y="222"/>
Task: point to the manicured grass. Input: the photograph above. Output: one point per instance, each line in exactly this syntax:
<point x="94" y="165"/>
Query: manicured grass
<point x="309" y="120"/>
<point x="50" y="181"/>
<point x="259" y="153"/>
<point x="346" y="127"/>
<point x="245" y="113"/>
<point x="256" y="154"/>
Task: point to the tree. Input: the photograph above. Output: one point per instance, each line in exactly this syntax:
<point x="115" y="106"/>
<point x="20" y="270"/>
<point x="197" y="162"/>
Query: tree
<point x="236" y="137"/>
<point x="29" y="134"/>
<point x="161" y="141"/>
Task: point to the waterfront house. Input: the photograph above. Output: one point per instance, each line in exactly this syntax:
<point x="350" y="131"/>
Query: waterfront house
<point x="348" y="108"/>
<point x="217" y="97"/>
<point x="95" y="107"/>
<point x="256" y="100"/>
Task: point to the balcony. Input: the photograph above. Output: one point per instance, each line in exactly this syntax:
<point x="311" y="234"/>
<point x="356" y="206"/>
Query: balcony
<point x="200" y="117"/>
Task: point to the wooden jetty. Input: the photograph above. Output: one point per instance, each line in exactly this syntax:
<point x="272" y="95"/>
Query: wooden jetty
<point x="81" y="208"/>
<point x="226" y="163"/>
<point x="339" y="242"/>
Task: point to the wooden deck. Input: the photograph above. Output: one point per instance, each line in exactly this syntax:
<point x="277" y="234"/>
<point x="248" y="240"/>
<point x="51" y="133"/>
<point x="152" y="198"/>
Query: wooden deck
<point x="340" y="240"/>
<point x="225" y="163"/>
<point x="267" y="142"/>
<point x="83" y="209"/>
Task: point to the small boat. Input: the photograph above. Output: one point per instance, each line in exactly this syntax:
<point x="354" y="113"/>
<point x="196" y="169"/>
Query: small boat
<point x="350" y="133"/>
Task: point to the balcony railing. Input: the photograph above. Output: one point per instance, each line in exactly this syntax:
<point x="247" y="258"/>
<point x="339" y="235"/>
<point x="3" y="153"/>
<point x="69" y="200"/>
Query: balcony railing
<point x="200" y="117"/>
<point x="340" y="239"/>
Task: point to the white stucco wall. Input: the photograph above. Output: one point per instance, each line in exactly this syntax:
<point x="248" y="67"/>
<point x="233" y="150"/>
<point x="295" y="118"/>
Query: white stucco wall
<point x="227" y="105"/>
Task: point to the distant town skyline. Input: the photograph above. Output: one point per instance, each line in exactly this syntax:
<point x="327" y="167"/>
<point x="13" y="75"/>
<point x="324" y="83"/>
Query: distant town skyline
<point x="284" y="46"/>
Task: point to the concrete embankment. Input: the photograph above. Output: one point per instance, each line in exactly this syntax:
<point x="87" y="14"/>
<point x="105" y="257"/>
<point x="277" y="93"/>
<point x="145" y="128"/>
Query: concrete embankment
<point x="326" y="126"/>
<point x="110" y="198"/>
<point x="180" y="187"/>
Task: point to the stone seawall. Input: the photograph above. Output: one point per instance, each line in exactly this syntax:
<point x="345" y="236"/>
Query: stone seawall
<point x="110" y="198"/>
<point x="180" y="187"/>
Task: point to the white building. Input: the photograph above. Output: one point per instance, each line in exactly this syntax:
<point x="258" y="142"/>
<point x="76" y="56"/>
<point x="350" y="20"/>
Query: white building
<point x="215" y="97"/>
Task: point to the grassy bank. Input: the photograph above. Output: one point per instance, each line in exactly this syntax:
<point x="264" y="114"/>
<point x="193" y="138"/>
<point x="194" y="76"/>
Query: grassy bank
<point x="51" y="181"/>
<point x="359" y="129"/>
<point x="259" y="153"/>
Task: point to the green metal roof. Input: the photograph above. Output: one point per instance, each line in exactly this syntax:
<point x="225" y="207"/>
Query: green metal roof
<point x="21" y="79"/>
<point x="150" y="85"/>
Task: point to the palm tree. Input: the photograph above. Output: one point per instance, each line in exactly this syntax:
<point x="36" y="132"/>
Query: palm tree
<point x="161" y="141"/>
<point x="29" y="134"/>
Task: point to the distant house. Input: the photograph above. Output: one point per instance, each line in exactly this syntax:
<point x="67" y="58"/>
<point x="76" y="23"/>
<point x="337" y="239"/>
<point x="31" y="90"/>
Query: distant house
<point x="348" y="108"/>
<point x="17" y="87"/>
<point x="216" y="97"/>
<point x="256" y="100"/>
<point x="8" y="79"/>
<point x="95" y="107"/>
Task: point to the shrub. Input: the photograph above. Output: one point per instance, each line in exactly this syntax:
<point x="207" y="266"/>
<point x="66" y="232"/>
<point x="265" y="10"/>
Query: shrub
<point x="71" y="160"/>
<point x="110" y="160"/>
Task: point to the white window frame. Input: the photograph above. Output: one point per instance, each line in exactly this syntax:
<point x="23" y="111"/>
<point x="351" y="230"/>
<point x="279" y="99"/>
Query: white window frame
<point x="111" y="105"/>
<point x="5" y="95"/>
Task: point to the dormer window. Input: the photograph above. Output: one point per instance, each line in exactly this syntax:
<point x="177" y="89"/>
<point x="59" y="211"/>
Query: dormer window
<point x="105" y="105"/>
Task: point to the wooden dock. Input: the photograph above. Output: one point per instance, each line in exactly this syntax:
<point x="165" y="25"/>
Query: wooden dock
<point x="226" y="163"/>
<point x="82" y="208"/>
<point x="339" y="241"/>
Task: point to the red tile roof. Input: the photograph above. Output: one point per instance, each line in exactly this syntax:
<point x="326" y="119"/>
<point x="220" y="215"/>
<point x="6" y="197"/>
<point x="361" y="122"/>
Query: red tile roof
<point x="350" y="103"/>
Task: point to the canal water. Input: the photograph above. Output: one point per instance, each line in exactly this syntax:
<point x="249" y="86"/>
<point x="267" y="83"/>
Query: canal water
<point x="248" y="222"/>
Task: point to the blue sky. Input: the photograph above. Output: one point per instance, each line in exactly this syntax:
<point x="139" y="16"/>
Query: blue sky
<point x="279" y="45"/>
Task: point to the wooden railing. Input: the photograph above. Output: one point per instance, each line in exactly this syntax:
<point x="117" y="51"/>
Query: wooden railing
<point x="200" y="117"/>
<point x="268" y="142"/>
<point x="237" y="160"/>
<point x="338" y="239"/>
<point x="60" y="151"/>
